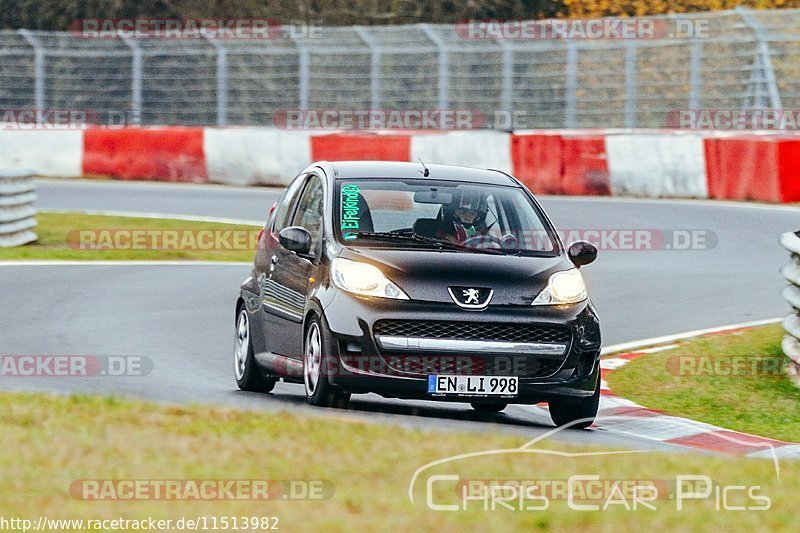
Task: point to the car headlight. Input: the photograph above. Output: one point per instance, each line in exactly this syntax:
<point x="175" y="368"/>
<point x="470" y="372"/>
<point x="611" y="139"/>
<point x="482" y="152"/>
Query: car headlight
<point x="364" y="279"/>
<point x="564" y="287"/>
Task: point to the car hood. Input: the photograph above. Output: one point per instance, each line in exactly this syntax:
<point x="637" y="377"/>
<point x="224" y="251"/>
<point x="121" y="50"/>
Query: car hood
<point x="427" y="274"/>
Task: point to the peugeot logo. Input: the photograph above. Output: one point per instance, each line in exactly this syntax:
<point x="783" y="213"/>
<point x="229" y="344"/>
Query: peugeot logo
<point x="471" y="297"/>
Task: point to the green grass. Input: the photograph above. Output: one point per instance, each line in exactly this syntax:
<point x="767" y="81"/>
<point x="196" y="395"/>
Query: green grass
<point x="49" y="442"/>
<point x="59" y="237"/>
<point x="762" y="402"/>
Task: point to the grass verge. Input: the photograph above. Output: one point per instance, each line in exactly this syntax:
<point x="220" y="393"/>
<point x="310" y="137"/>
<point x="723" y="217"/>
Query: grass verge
<point x="50" y="442"/>
<point x="733" y="380"/>
<point x="113" y="238"/>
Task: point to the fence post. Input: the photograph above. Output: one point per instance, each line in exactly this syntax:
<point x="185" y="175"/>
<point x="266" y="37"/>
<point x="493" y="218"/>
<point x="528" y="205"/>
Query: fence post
<point x="444" y="66"/>
<point x="571" y="85"/>
<point x="136" y="80"/>
<point x="222" y="80"/>
<point x="374" y="67"/>
<point x="507" y="88"/>
<point x="630" y="84"/>
<point x="694" y="73"/>
<point x="303" y="73"/>
<point x="791" y="342"/>
<point x="763" y="62"/>
<point x="38" y="69"/>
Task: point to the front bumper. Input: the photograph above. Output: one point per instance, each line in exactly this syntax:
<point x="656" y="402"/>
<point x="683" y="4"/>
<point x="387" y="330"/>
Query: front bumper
<point x="360" y="362"/>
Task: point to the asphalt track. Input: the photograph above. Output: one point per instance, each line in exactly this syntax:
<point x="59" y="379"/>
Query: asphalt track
<point x="181" y="317"/>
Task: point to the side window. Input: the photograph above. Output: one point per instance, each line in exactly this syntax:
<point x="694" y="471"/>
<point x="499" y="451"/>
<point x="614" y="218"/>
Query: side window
<point x="309" y="211"/>
<point x="282" y="212"/>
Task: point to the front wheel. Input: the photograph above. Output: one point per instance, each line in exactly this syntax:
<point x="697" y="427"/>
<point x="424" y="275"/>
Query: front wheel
<point x="248" y="375"/>
<point x="316" y="354"/>
<point x="577" y="415"/>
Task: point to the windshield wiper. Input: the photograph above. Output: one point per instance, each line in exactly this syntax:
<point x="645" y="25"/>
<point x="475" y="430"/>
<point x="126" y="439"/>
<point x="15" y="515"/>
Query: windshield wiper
<point x="414" y="237"/>
<point x="390" y="235"/>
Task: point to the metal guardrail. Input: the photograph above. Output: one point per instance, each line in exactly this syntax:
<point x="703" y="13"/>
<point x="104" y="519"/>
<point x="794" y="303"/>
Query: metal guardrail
<point x="17" y="213"/>
<point x="791" y="342"/>
<point x="748" y="60"/>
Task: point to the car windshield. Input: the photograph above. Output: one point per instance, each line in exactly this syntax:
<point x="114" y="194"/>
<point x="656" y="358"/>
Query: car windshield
<point x="445" y="214"/>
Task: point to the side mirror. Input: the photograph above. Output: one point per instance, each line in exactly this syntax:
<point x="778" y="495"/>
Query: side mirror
<point x="296" y="239"/>
<point x="582" y="253"/>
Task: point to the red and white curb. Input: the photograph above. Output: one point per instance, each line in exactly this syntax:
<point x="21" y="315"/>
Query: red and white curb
<point x="621" y="415"/>
<point x="624" y="417"/>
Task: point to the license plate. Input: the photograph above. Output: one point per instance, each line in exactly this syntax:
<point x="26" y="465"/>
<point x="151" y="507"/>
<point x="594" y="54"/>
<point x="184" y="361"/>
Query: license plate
<point x="473" y="385"/>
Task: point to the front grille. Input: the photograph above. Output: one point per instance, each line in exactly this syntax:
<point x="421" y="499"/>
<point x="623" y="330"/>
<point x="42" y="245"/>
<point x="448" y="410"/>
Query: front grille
<point x="525" y="366"/>
<point x="531" y="366"/>
<point x="488" y="331"/>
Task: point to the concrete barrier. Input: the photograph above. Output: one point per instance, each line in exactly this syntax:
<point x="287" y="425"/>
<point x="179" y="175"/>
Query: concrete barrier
<point x="155" y="154"/>
<point x="255" y="156"/>
<point x="56" y="153"/>
<point x="791" y="342"/>
<point x="657" y="165"/>
<point x="726" y="165"/>
<point x="17" y="213"/>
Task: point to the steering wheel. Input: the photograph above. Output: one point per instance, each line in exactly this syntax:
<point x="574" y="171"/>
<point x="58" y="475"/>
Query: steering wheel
<point x="483" y="241"/>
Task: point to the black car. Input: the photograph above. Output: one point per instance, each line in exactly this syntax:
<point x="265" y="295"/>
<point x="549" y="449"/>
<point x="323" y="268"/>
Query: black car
<point x="411" y="281"/>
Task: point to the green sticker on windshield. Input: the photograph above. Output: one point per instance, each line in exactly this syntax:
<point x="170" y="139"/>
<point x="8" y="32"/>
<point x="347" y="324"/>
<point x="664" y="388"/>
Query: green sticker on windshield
<point x="351" y="217"/>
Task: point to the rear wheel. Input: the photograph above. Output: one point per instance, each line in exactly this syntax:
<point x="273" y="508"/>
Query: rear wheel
<point x="248" y="375"/>
<point x="488" y="407"/>
<point x="316" y="354"/>
<point x="585" y="410"/>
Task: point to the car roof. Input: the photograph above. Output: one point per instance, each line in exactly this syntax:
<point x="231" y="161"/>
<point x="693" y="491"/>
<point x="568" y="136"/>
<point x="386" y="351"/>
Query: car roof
<point x="391" y="169"/>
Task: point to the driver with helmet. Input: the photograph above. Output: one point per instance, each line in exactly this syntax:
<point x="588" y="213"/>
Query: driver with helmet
<point x="465" y="218"/>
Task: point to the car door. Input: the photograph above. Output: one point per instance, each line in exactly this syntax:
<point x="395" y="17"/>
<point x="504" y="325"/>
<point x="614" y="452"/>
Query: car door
<point x="287" y="288"/>
<point x="263" y="269"/>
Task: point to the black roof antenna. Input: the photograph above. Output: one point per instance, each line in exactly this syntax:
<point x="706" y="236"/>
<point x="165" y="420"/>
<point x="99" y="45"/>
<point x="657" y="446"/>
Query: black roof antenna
<point x="425" y="172"/>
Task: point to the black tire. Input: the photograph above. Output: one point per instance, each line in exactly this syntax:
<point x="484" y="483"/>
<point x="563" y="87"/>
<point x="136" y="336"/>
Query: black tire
<point x="488" y="407"/>
<point x="248" y="375"/>
<point x="317" y="349"/>
<point x="585" y="410"/>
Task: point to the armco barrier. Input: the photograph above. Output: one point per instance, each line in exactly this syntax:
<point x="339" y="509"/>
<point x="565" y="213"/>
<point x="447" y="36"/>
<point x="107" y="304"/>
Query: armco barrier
<point x="17" y="214"/>
<point x="791" y="342"/>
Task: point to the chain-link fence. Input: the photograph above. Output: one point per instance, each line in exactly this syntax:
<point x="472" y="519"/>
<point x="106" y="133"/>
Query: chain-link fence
<point x="748" y="59"/>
